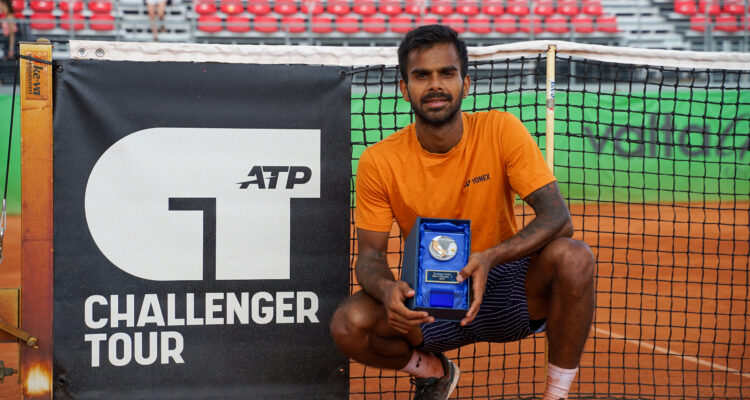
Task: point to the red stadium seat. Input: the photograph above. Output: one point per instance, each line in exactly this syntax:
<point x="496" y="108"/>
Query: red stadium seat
<point x="607" y="24"/>
<point x="400" y="24"/>
<point x="364" y="7"/>
<point x="68" y="6"/>
<point x="373" y="25"/>
<point x="699" y="22"/>
<point x="322" y="25"/>
<point x="726" y="23"/>
<point x="441" y="7"/>
<point x="516" y="7"/>
<point x="414" y="7"/>
<point x="238" y="23"/>
<point x="78" y="22"/>
<point x="18" y="5"/>
<point x="314" y="7"/>
<point x="42" y="21"/>
<point x="582" y="24"/>
<point x="592" y="7"/>
<point x="567" y="7"/>
<point x="544" y="8"/>
<point x="205" y="7"/>
<point x="427" y="20"/>
<point x="390" y="7"/>
<point x="530" y="24"/>
<point x="686" y="7"/>
<point x="338" y="7"/>
<point x="208" y="23"/>
<point x="101" y="7"/>
<point x="480" y="25"/>
<point x="713" y="7"/>
<point x="285" y="7"/>
<point x="506" y="24"/>
<point x="43" y="6"/>
<point x="265" y="24"/>
<point x="556" y="24"/>
<point x="457" y="23"/>
<point x="293" y="24"/>
<point x="736" y="7"/>
<point x="348" y="25"/>
<point x="106" y="22"/>
<point x="469" y="8"/>
<point x="492" y="8"/>
<point x="231" y="7"/>
<point x="258" y="7"/>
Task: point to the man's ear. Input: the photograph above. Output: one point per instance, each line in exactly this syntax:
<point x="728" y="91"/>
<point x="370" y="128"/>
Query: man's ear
<point x="467" y="85"/>
<point x="404" y="90"/>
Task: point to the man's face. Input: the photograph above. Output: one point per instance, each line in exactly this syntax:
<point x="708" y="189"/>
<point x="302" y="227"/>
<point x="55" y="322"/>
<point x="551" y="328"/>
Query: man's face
<point x="435" y="87"/>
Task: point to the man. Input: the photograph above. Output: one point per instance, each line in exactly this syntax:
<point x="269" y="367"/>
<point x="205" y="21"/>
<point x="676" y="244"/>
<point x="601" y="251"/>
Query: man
<point x="523" y="281"/>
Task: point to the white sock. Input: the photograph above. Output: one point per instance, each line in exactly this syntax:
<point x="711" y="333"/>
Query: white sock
<point x="558" y="382"/>
<point x="423" y="365"/>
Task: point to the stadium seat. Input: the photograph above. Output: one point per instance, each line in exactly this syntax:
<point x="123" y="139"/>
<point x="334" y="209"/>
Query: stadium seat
<point x="400" y="24"/>
<point x="469" y="8"/>
<point x="506" y="24"/>
<point x="208" y="23"/>
<point x="338" y="7"/>
<point x="699" y="22"/>
<point x="726" y="23"/>
<point x="103" y="7"/>
<point x="68" y="6"/>
<point x="516" y="7"/>
<point x="348" y="25"/>
<point x="713" y="7"/>
<point x="258" y="7"/>
<point x="238" y="23"/>
<point x="607" y="24"/>
<point x="293" y="24"/>
<point x="492" y="8"/>
<point x="582" y="24"/>
<point x="567" y="7"/>
<point x="285" y="7"/>
<point x="736" y="7"/>
<point x="427" y="20"/>
<point x="556" y="24"/>
<point x="390" y="7"/>
<point x="530" y="24"/>
<point x="373" y="24"/>
<point x="18" y="5"/>
<point x="78" y="21"/>
<point x="592" y="7"/>
<point x="42" y="21"/>
<point x="204" y="7"/>
<point x="43" y="6"/>
<point x="231" y="7"/>
<point x="364" y="7"/>
<point x="685" y="7"/>
<point x="457" y="23"/>
<point x="314" y="7"/>
<point x="414" y="7"/>
<point x="106" y="22"/>
<point x="480" y="25"/>
<point x="322" y="25"/>
<point x="544" y="8"/>
<point x="441" y="7"/>
<point x="265" y="24"/>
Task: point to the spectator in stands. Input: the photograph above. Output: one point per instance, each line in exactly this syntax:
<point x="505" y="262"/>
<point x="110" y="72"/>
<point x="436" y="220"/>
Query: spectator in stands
<point x="9" y="28"/>
<point x="156" y="9"/>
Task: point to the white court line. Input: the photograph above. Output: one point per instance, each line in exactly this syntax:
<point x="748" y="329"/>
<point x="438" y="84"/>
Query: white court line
<point x="674" y="353"/>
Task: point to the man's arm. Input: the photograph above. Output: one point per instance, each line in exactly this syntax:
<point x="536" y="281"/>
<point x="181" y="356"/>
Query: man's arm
<point x="552" y="221"/>
<point x="377" y="280"/>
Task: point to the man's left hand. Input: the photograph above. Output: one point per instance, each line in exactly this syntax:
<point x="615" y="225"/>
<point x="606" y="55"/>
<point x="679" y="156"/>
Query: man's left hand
<point x="477" y="268"/>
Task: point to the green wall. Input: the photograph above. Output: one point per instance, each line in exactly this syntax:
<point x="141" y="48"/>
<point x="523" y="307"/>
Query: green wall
<point x="14" y="183"/>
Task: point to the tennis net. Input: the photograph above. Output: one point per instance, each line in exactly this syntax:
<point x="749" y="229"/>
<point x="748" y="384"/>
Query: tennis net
<point x="652" y="153"/>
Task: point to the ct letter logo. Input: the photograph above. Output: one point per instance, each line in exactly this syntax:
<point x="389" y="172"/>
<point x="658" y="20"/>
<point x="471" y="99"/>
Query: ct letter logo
<point x="168" y="204"/>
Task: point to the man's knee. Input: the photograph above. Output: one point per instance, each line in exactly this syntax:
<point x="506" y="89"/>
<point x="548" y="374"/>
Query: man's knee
<point x="350" y="324"/>
<point x="574" y="263"/>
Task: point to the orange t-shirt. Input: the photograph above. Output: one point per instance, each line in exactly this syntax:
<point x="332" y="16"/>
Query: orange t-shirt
<point x="476" y="180"/>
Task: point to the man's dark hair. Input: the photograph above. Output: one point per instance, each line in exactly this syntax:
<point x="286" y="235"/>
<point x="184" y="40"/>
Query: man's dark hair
<point x="424" y="37"/>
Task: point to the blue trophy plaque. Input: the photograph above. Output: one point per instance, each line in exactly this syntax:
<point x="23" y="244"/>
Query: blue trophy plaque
<point x="435" y="251"/>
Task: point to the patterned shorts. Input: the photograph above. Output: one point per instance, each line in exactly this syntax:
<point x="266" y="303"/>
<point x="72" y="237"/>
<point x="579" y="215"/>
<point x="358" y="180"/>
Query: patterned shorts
<point x="503" y="315"/>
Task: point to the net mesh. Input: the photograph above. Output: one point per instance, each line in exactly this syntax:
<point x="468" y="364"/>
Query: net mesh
<point x="654" y="163"/>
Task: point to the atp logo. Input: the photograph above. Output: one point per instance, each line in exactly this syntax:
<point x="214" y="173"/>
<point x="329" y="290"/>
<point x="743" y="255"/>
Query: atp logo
<point x="163" y="203"/>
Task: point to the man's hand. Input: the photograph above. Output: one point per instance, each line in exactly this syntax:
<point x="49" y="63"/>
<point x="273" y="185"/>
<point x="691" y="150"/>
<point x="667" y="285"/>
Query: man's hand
<point x="477" y="268"/>
<point x="401" y="318"/>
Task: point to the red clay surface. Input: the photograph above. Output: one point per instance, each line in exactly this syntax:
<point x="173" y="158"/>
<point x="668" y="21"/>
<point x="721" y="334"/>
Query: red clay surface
<point x="10" y="277"/>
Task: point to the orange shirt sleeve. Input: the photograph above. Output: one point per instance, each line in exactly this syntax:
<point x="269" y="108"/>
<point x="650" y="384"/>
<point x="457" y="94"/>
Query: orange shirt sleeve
<point x="527" y="171"/>
<point x="373" y="211"/>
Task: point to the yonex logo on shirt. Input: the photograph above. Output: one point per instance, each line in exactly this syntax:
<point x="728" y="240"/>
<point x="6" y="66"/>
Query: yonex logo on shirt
<point x="477" y="179"/>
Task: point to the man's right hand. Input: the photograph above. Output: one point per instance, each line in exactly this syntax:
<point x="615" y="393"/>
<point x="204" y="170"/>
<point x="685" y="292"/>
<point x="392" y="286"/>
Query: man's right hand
<point x="401" y="318"/>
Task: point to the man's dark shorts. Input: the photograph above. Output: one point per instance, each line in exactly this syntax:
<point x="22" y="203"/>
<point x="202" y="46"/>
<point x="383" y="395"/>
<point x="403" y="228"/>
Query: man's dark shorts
<point x="503" y="315"/>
